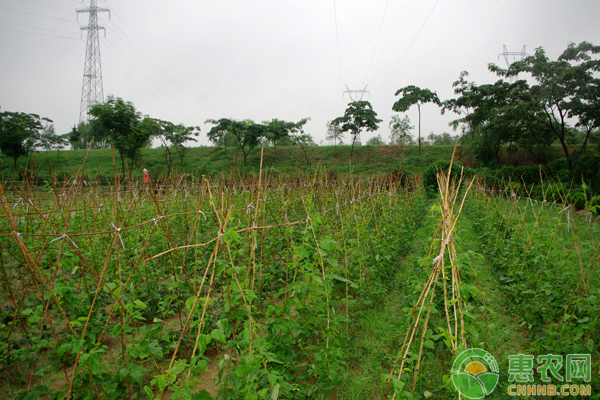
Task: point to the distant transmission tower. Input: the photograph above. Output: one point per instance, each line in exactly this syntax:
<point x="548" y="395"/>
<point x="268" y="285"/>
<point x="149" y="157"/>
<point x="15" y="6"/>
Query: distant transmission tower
<point x="522" y="54"/>
<point x="356" y="92"/>
<point x="91" y="91"/>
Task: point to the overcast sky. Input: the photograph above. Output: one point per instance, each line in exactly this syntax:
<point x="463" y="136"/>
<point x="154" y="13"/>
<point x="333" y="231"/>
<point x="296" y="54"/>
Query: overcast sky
<point x="190" y="60"/>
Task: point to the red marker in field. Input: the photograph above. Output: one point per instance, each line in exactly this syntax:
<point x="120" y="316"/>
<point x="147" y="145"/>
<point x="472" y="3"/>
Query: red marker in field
<point x="146" y="176"/>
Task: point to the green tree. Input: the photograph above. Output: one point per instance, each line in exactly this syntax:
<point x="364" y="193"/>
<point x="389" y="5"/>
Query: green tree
<point x="358" y="116"/>
<point x="246" y="133"/>
<point x="19" y="133"/>
<point x="277" y="131"/>
<point x="300" y="138"/>
<point x="89" y="130"/>
<point x="173" y="138"/>
<point x="400" y="130"/>
<point x="74" y="137"/>
<point x="499" y="114"/>
<point x="412" y="95"/>
<point x="443" y="139"/>
<point x="49" y="140"/>
<point x="375" y="141"/>
<point x="566" y="88"/>
<point x="334" y="133"/>
<point x="46" y="139"/>
<point x="124" y="125"/>
<point x="585" y="105"/>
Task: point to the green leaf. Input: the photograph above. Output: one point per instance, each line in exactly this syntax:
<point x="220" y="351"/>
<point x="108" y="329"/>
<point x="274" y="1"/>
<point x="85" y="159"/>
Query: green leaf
<point x="429" y="344"/>
<point x="77" y="344"/>
<point x="590" y="345"/>
<point x="189" y="303"/>
<point x="275" y="394"/>
<point x="202" y="395"/>
<point x="139" y="304"/>
<point x="397" y="385"/>
<point x="224" y="326"/>
<point x="148" y="392"/>
<point x="93" y="363"/>
<point x="251" y="396"/>
<point x="218" y="336"/>
<point x="301" y="251"/>
<point x="136" y="372"/>
<point x="123" y="373"/>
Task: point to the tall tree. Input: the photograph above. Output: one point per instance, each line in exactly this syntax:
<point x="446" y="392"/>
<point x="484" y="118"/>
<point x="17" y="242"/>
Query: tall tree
<point x="49" y="140"/>
<point x="46" y="139"/>
<point x="567" y="87"/>
<point x="358" y="116"/>
<point x="124" y="125"/>
<point x="412" y="95"/>
<point x="246" y="133"/>
<point x="173" y="138"/>
<point x="400" y="130"/>
<point x="334" y="133"/>
<point x="497" y="114"/>
<point x="19" y="133"/>
<point x="300" y="138"/>
<point x="74" y="137"/>
<point x="585" y="104"/>
<point x="277" y="130"/>
<point x="92" y="129"/>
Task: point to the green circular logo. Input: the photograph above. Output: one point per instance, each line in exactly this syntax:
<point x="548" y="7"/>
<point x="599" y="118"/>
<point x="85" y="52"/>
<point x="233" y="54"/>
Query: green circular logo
<point x="475" y="373"/>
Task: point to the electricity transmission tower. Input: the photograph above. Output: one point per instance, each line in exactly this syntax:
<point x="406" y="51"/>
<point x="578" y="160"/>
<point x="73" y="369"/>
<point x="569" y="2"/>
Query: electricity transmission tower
<point x="362" y="92"/>
<point x="521" y="54"/>
<point x="92" y="91"/>
<point x="351" y="94"/>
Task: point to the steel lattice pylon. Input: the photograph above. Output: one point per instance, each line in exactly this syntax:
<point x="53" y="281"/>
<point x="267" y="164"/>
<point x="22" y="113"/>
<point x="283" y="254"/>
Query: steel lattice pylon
<point x="522" y="54"/>
<point x="91" y="91"/>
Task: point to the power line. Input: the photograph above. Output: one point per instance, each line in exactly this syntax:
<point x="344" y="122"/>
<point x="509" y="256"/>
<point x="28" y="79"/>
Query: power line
<point x="376" y="41"/>
<point x="392" y="30"/>
<point x="148" y="77"/>
<point x="144" y="87"/>
<point x="142" y="54"/>
<point x="34" y="27"/>
<point x="39" y="34"/>
<point x="409" y="47"/>
<point x="337" y="40"/>
<point x="38" y="15"/>
<point x="169" y="65"/>
<point x="42" y="5"/>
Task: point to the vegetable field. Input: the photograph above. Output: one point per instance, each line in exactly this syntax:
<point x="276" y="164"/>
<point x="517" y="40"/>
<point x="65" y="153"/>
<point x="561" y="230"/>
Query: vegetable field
<point x="281" y="286"/>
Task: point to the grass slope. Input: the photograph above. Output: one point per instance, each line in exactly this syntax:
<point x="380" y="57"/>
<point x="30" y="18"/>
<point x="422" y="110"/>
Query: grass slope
<point x="366" y="160"/>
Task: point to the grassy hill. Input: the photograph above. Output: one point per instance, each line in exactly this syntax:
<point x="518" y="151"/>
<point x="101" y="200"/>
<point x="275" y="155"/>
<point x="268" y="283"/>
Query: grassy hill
<point x="367" y="160"/>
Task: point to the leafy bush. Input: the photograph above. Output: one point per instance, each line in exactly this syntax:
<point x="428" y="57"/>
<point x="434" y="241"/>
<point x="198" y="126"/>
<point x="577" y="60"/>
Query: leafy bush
<point x="577" y="200"/>
<point x="586" y="165"/>
<point x="430" y="179"/>
<point x="558" y="169"/>
<point x="595" y="204"/>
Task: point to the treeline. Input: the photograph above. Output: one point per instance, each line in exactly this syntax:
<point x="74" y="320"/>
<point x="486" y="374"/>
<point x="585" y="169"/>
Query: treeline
<point x="562" y="106"/>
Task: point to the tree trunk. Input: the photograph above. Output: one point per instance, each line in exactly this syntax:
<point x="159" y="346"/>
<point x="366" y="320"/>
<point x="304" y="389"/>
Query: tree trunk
<point x="352" y="148"/>
<point x="419" y="107"/>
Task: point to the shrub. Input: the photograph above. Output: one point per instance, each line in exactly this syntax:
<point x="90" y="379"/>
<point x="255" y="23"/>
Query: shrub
<point x="430" y="179"/>
<point x="595" y="204"/>
<point x="558" y="169"/>
<point x="577" y="200"/>
<point x="586" y="165"/>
